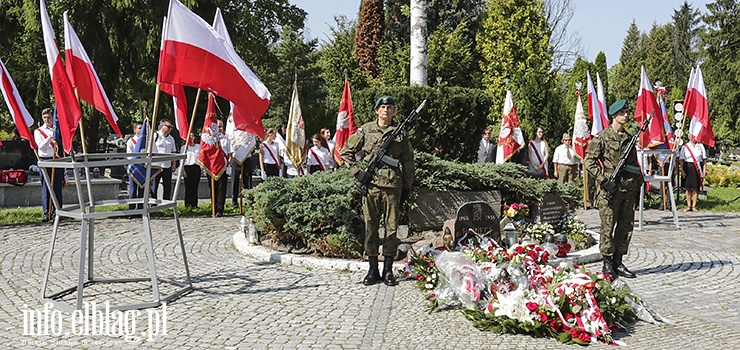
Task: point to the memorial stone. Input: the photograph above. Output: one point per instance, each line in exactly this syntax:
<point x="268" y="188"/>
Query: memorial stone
<point x="433" y="208"/>
<point x="480" y="217"/>
<point x="551" y="210"/>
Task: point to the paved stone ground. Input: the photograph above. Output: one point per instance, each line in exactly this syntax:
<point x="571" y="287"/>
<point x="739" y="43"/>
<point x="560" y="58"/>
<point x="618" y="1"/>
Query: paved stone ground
<point x="688" y="275"/>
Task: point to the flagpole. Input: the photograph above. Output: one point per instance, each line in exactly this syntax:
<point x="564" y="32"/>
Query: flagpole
<point x="213" y="197"/>
<point x="241" y="180"/>
<point x="585" y="186"/>
<point x="187" y="144"/>
<point x="150" y="141"/>
<point x="82" y="127"/>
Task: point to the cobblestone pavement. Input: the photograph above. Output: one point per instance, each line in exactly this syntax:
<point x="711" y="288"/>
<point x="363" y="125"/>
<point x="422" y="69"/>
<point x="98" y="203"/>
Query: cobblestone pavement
<point x="688" y="275"/>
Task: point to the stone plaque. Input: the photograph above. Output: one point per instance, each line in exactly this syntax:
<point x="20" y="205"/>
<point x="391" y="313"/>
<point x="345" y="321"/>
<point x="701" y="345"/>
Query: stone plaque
<point x="478" y="216"/>
<point x="433" y="208"/>
<point x="551" y="210"/>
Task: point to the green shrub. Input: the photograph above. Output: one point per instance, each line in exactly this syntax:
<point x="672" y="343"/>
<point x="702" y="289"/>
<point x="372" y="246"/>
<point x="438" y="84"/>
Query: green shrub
<point x="308" y="210"/>
<point x="723" y="176"/>
<point x="323" y="211"/>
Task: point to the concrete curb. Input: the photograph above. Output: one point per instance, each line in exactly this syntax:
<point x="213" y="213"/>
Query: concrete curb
<point x="268" y="255"/>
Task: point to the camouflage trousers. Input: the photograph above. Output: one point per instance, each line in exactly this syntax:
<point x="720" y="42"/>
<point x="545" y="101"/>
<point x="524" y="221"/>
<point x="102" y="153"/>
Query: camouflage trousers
<point x="617" y="221"/>
<point x="380" y="203"/>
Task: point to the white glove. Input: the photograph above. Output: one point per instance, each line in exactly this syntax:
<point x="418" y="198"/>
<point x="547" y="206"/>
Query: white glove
<point x="264" y="176"/>
<point x="280" y="173"/>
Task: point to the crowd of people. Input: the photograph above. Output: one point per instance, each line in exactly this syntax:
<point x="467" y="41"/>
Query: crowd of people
<point x="238" y="148"/>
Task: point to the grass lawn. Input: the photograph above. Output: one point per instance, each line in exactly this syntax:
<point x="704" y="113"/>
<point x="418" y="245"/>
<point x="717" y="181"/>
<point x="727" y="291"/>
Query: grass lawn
<point x="12" y="216"/>
<point x="720" y="199"/>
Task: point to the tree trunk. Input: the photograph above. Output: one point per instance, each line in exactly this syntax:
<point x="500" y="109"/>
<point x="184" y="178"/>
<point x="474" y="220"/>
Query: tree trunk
<point x="419" y="63"/>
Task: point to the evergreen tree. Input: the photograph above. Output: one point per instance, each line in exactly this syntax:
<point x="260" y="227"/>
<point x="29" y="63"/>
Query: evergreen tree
<point x="721" y="69"/>
<point x="296" y="56"/>
<point x="660" y="62"/>
<point x="626" y="81"/>
<point x="599" y="66"/>
<point x="685" y="43"/>
<point x="514" y="42"/>
<point x="336" y="57"/>
<point x="369" y="32"/>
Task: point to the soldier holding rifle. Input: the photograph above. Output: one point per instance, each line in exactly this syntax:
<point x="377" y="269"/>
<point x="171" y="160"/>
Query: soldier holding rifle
<point x="385" y="183"/>
<point x="620" y="179"/>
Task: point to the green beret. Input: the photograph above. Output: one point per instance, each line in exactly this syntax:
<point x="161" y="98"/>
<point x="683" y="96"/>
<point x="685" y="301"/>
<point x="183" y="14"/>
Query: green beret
<point x="617" y="106"/>
<point x="384" y="100"/>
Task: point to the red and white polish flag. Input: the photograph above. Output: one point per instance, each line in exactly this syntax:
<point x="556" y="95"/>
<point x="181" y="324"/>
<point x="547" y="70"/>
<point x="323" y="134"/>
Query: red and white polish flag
<point x="83" y="77"/>
<point x="17" y="109"/>
<point x="242" y="120"/>
<point x="646" y="104"/>
<point x="68" y="107"/>
<point x="179" y="100"/>
<point x="594" y="107"/>
<point x="602" y="102"/>
<point x="194" y="54"/>
<point x="700" y="127"/>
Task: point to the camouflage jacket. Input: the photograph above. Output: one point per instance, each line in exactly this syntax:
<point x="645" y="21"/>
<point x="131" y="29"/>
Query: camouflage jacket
<point x="367" y="140"/>
<point x="608" y="148"/>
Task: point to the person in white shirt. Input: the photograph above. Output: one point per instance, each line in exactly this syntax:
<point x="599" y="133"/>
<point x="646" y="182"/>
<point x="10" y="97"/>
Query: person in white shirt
<point x="134" y="191"/>
<point x="44" y="137"/>
<point x="693" y="157"/>
<point x="538" y="153"/>
<point x="565" y="160"/>
<point x="319" y="158"/>
<point x="270" y="155"/>
<point x="326" y="134"/>
<point x="192" y="172"/>
<point x="163" y="143"/>
<point x="487" y="148"/>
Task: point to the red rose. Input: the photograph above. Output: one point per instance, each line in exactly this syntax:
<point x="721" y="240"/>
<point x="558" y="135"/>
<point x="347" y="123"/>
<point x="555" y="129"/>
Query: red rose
<point x="431" y="264"/>
<point x="543" y="317"/>
<point x="532" y="254"/>
<point x="520" y="250"/>
<point x="532" y="306"/>
<point x="554" y="325"/>
<point x="584" y="337"/>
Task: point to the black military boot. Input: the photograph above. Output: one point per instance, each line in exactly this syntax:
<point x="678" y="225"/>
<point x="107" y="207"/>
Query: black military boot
<point x="608" y="268"/>
<point x="388" y="277"/>
<point x="621" y="269"/>
<point x="373" y="275"/>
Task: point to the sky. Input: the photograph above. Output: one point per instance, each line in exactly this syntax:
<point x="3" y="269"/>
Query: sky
<point x="602" y="25"/>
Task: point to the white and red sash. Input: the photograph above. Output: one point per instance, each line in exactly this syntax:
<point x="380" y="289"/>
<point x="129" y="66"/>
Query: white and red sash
<point x="267" y="147"/>
<point x="539" y="157"/>
<point x="696" y="166"/>
<point x="315" y="156"/>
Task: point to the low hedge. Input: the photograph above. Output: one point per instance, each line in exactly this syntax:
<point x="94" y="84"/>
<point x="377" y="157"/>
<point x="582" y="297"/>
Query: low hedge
<point x="323" y="211"/>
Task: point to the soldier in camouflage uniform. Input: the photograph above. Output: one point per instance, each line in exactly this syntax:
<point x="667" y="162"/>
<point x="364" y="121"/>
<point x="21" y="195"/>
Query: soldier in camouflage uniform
<point x="389" y="188"/>
<point x="618" y="213"/>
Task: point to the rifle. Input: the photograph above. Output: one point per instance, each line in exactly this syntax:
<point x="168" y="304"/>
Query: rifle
<point x="364" y="177"/>
<point x="610" y="185"/>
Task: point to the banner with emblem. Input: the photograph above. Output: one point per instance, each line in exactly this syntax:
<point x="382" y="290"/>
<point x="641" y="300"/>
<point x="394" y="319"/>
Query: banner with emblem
<point x="581" y="135"/>
<point x="510" y="137"/>
<point x="346" y="125"/>
<point x="242" y="142"/>
<point x="295" y="143"/>
<point x="211" y="157"/>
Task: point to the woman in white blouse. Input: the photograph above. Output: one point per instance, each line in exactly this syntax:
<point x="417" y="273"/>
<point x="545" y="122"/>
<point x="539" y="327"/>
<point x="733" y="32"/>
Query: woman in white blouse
<point x="538" y="154"/>
<point x="319" y="158"/>
<point x="692" y="158"/>
<point x="270" y="155"/>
